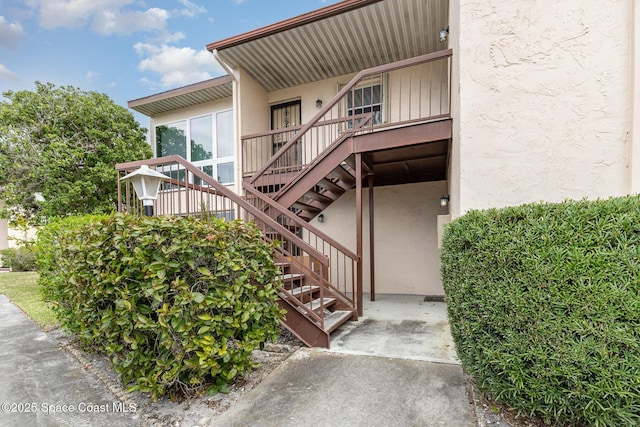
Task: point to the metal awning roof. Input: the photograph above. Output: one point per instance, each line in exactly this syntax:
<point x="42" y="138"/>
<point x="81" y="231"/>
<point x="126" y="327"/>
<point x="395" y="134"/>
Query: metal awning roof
<point x="340" y="39"/>
<point x="186" y="96"/>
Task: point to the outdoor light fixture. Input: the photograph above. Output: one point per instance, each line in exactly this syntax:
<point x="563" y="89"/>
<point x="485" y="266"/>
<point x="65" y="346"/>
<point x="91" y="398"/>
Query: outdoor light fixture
<point x="319" y="103"/>
<point x="444" y="201"/>
<point x="146" y="182"/>
<point x="444" y="32"/>
<point x="321" y="218"/>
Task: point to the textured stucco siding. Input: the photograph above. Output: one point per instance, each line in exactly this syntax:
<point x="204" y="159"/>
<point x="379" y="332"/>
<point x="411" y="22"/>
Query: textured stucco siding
<point x="407" y="258"/>
<point x="544" y="100"/>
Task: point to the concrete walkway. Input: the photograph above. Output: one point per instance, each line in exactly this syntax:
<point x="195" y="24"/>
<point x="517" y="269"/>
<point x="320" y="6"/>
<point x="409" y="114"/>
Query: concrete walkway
<point x="396" y="366"/>
<point x="319" y="388"/>
<point x="43" y="385"/>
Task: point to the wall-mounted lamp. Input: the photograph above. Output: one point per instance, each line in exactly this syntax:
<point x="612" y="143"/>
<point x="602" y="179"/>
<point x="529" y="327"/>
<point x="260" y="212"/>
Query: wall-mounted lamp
<point x="319" y="103"/>
<point x="444" y="32"/>
<point x="444" y="201"/>
<point x="321" y="218"/>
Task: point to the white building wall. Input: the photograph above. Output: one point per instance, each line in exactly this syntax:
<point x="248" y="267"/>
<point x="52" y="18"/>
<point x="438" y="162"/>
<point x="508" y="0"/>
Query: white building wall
<point x="544" y="101"/>
<point x="407" y="257"/>
<point x="4" y="234"/>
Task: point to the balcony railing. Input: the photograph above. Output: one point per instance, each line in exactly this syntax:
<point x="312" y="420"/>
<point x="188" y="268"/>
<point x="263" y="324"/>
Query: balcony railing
<point x="402" y="93"/>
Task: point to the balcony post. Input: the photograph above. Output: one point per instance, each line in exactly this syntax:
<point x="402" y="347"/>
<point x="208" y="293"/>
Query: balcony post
<point x="372" y="263"/>
<point x="360" y="298"/>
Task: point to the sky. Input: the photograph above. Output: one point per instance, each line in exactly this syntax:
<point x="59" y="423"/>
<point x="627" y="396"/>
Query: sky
<point x="127" y="49"/>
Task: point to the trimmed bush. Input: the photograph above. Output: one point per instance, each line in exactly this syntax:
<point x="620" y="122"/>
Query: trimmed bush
<point x="177" y="304"/>
<point x="20" y="258"/>
<point x="544" y="306"/>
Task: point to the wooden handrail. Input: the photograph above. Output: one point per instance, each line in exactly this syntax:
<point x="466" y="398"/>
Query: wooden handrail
<point x="298" y="221"/>
<point x="329" y="105"/>
<point x="365" y="118"/>
<point x="272" y="132"/>
<point x="224" y="191"/>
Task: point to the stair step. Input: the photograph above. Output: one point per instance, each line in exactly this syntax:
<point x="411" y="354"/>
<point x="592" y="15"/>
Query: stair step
<point x="330" y="186"/>
<point x="292" y="277"/>
<point x="316" y="303"/>
<point x="335" y="319"/>
<point x="344" y="175"/>
<point x="307" y="289"/>
<point x="306" y="207"/>
<point x="319" y="197"/>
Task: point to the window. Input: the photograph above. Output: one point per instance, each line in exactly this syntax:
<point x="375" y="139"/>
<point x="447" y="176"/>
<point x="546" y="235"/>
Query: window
<point x="205" y="141"/>
<point x="365" y="100"/>
<point x="366" y="97"/>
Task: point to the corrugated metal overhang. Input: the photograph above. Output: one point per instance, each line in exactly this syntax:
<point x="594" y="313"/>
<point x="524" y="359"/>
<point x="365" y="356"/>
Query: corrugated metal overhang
<point x="307" y="50"/>
<point x="187" y="96"/>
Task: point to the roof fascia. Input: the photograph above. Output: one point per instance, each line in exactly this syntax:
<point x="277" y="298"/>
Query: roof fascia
<point x="218" y="81"/>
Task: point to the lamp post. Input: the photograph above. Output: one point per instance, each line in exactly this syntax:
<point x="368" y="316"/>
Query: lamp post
<point x="146" y="183"/>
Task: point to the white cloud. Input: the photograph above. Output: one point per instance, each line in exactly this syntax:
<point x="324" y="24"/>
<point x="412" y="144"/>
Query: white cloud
<point x="91" y="75"/>
<point x="239" y="1"/>
<point x="191" y="10"/>
<point x="128" y="22"/>
<point x="166" y="37"/>
<point x="177" y="66"/>
<point x="11" y="33"/>
<point x="105" y="16"/>
<point x="7" y="74"/>
<point x="73" y="13"/>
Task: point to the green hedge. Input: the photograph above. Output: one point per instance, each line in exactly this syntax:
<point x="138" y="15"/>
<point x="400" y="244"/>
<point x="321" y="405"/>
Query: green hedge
<point x="177" y="304"/>
<point x="544" y="306"/>
<point x="20" y="258"/>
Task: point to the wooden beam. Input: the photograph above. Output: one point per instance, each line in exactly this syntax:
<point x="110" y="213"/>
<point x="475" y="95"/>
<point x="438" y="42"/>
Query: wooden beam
<point x="372" y="262"/>
<point x="359" y="299"/>
<point x="403" y="136"/>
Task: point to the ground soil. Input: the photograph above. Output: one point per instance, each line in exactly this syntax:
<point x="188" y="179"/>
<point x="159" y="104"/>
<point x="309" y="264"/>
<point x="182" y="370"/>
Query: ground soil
<point x="181" y="411"/>
<point x="490" y="413"/>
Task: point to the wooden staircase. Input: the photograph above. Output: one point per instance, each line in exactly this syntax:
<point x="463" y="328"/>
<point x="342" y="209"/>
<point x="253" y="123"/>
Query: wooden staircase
<point x="318" y="276"/>
<point x="325" y="304"/>
<point x="314" y="295"/>
<point x="321" y="182"/>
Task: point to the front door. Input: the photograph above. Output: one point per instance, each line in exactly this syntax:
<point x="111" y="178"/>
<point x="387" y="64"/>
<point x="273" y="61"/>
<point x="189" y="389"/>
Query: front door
<point x="287" y="115"/>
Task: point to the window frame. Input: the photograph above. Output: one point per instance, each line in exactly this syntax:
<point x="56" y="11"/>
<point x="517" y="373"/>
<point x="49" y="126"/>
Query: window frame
<point x="214" y="161"/>
<point x="381" y="80"/>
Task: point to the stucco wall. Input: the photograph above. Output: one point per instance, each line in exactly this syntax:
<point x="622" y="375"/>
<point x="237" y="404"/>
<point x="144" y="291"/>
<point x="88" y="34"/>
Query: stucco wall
<point x="254" y="109"/>
<point x="406" y="239"/>
<point x="544" y="100"/>
<point x="4" y="234"/>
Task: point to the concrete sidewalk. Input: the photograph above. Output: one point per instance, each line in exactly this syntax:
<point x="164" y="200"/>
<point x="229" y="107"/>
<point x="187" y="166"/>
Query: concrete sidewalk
<point x="396" y="366"/>
<point x="43" y="385"/>
<point x="320" y="388"/>
<point x="393" y="368"/>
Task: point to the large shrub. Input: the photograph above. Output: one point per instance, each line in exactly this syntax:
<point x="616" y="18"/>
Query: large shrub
<point x="19" y="258"/>
<point x="544" y="304"/>
<point x="178" y="304"/>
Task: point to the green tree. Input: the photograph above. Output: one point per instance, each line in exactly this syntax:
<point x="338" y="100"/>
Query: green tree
<point x="58" y="149"/>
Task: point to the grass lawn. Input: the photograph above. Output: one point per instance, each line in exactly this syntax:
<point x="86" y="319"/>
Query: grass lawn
<point x="23" y="290"/>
